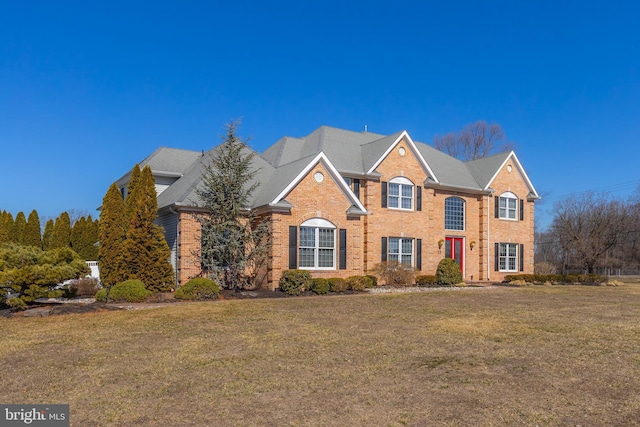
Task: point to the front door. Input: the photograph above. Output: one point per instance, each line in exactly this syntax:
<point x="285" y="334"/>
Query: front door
<point x="454" y="248"/>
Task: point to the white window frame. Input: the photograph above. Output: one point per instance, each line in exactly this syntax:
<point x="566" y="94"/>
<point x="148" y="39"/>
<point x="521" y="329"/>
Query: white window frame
<point x="317" y="225"/>
<point x="402" y="183"/>
<point x="503" y="260"/>
<point x="464" y="211"/>
<point x="397" y="256"/>
<point x="505" y="210"/>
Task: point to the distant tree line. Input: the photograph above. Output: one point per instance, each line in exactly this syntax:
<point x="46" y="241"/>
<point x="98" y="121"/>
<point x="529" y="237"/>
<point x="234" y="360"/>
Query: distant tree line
<point x="592" y="233"/>
<point x="81" y="234"/>
<point x="132" y="246"/>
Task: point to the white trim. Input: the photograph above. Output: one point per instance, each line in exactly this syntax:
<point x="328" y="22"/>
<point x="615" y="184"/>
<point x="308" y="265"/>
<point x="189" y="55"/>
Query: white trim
<point x="318" y="222"/>
<point x="508" y="195"/>
<point x="415" y="151"/>
<point x="520" y="169"/>
<point x="507" y="257"/>
<point x="464" y="214"/>
<point x="337" y="178"/>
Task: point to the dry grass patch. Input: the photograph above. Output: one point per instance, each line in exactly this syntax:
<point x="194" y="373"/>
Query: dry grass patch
<point x="538" y="355"/>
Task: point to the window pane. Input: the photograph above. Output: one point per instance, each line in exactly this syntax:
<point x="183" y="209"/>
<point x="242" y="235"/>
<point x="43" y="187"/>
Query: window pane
<point x="512" y="203"/>
<point x="393" y="257"/>
<point x="503" y="202"/>
<point x="503" y="264"/>
<point x="407" y="191"/>
<point x="512" y="263"/>
<point x="407" y="246"/>
<point x="512" y="250"/>
<point x="512" y="214"/>
<point x="393" y="201"/>
<point x="307" y="236"/>
<point x="406" y="203"/>
<point x="325" y="257"/>
<point x="394" y="189"/>
<point x="325" y="238"/>
<point x="306" y="257"/>
<point x="503" y="249"/>
<point x="406" y="259"/>
<point x="454" y="213"/>
<point x="394" y="245"/>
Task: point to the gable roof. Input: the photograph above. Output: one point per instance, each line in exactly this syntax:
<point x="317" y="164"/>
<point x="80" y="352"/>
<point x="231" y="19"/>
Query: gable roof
<point x="342" y="152"/>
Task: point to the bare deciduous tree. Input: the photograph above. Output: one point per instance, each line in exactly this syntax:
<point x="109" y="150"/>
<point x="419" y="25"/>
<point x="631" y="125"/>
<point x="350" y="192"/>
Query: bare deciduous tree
<point x="589" y="225"/>
<point x="474" y="141"/>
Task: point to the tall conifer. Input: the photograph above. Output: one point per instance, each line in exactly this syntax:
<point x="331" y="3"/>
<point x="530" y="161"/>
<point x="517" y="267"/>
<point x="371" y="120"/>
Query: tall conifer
<point x="61" y="236"/>
<point x="20" y="226"/>
<point x="111" y="235"/>
<point x="146" y="253"/>
<point x="46" y="235"/>
<point x="32" y="236"/>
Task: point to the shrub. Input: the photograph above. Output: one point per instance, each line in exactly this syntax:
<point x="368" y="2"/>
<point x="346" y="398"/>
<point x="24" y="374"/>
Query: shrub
<point x="395" y="273"/>
<point x="426" y="280"/>
<point x="293" y="282"/>
<point x="127" y="291"/>
<point x="319" y="286"/>
<point x="358" y="283"/>
<point x="85" y="287"/>
<point x="337" y="284"/>
<point x="199" y="288"/>
<point x="374" y="280"/>
<point x="448" y="272"/>
<point x="544" y="267"/>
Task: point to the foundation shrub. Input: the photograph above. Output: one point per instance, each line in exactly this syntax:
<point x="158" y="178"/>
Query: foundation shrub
<point x="427" y="280"/>
<point x="395" y="273"/>
<point x="448" y="272"/>
<point x="358" y="283"/>
<point x="199" y="288"/>
<point x="319" y="286"/>
<point x="127" y="291"/>
<point x="337" y="284"/>
<point x="374" y="280"/>
<point x="293" y="282"/>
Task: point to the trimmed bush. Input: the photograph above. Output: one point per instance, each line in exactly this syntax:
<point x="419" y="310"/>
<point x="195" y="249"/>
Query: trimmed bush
<point x="337" y="284"/>
<point x="127" y="291"/>
<point x="293" y="282"/>
<point x="199" y="288"/>
<point x="448" y="272"/>
<point x="358" y="283"/>
<point x="395" y="273"/>
<point x="427" y="280"/>
<point x="555" y="278"/>
<point x="374" y="280"/>
<point x="320" y="286"/>
<point x="85" y="287"/>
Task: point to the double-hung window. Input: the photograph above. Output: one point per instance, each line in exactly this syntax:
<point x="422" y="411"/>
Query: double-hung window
<point x="508" y="206"/>
<point x="401" y="193"/>
<point x="317" y="245"/>
<point x="454" y="213"/>
<point x="508" y="257"/>
<point x="401" y="250"/>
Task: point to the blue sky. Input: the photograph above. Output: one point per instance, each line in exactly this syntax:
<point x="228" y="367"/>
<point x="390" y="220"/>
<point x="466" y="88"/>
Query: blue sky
<point x="88" y="89"/>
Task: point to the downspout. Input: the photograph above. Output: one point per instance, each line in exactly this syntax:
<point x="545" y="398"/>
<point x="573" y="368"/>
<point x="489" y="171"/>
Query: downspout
<point x="488" y="237"/>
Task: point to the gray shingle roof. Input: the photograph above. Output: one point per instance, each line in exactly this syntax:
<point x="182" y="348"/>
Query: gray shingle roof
<point x="351" y="153"/>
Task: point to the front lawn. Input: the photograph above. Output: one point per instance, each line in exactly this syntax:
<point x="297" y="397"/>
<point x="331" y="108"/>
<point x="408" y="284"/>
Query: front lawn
<point x="566" y="355"/>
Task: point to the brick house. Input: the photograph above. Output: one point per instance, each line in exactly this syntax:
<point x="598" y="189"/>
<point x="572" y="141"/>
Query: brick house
<point x="342" y="202"/>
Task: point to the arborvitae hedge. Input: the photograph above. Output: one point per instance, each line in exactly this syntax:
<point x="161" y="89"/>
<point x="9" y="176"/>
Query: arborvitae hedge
<point x="61" y="235"/>
<point x="46" y="235"/>
<point x="111" y="232"/>
<point x="20" y="225"/>
<point x="32" y="231"/>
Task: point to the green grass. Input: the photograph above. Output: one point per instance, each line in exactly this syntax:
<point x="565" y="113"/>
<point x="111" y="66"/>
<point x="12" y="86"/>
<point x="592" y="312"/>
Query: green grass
<point x="530" y="356"/>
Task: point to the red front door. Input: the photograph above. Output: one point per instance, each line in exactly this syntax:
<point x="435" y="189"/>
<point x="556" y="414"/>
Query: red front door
<point x="454" y="248"/>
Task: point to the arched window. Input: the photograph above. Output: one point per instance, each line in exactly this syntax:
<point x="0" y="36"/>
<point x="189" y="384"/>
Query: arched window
<point x="454" y="213"/>
<point x="401" y="193"/>
<point x="508" y="206"/>
<point x="317" y="244"/>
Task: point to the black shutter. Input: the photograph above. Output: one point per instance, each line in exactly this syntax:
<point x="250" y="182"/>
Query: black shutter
<point x="383" y="258"/>
<point x="521" y="257"/>
<point x="521" y="209"/>
<point x="293" y="247"/>
<point x="497" y="208"/>
<point x="384" y="194"/>
<point x="356" y="187"/>
<point x="343" y="249"/>
<point x="419" y="198"/>
<point x="418" y="254"/>
<point x="497" y="257"/>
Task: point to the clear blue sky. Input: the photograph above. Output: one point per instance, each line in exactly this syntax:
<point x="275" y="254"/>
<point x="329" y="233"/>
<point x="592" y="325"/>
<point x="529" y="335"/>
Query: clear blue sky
<point x="88" y="89"/>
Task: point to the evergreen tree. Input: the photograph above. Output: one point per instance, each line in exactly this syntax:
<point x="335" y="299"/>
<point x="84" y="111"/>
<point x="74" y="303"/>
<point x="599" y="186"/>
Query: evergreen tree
<point x="77" y="231"/>
<point x="61" y="236"/>
<point x="12" y="232"/>
<point x="32" y="236"/>
<point x="90" y="237"/>
<point x="20" y="225"/>
<point x="146" y="255"/>
<point x="235" y="241"/>
<point x="46" y="235"/>
<point x="111" y="235"/>
<point x="4" y="236"/>
<point x="131" y="188"/>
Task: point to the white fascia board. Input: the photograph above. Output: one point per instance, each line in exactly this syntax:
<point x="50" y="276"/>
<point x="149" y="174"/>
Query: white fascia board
<point x="520" y="169"/>
<point x="415" y="151"/>
<point x="321" y="157"/>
